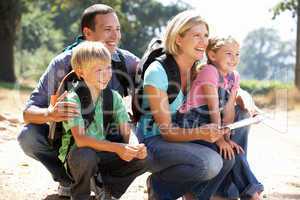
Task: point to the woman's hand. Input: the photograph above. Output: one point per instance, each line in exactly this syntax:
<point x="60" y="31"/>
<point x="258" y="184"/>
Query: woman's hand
<point x="237" y="147"/>
<point x="226" y="149"/>
<point x="212" y="132"/>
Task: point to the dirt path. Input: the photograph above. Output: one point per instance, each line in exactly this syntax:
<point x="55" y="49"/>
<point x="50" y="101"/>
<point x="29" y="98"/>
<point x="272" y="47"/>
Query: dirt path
<point x="273" y="155"/>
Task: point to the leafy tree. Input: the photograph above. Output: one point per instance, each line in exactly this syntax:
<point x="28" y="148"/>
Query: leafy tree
<point x="265" y="56"/>
<point x="145" y="20"/>
<point x="38" y="28"/>
<point x="138" y="25"/>
<point x="292" y="6"/>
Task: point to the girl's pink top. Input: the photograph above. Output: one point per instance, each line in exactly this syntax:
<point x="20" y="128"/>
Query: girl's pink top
<point x="208" y="75"/>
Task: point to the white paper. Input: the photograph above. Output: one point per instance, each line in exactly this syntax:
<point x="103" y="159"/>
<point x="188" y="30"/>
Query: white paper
<point x="245" y="122"/>
<point x="133" y="140"/>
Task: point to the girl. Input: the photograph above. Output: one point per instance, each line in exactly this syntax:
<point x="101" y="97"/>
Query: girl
<point x="212" y="99"/>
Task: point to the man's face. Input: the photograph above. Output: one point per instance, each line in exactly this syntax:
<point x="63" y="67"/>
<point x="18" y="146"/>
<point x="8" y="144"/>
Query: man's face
<point x="107" y="30"/>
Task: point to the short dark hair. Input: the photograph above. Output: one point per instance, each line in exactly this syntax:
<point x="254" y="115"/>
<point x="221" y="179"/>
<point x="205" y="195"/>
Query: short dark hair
<point x="88" y="15"/>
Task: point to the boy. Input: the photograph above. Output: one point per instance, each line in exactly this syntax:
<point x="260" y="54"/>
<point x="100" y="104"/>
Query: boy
<point x="119" y="163"/>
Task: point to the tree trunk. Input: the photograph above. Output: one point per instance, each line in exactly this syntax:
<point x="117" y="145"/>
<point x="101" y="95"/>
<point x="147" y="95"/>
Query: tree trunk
<point x="7" y="73"/>
<point x="9" y="20"/>
<point x="297" y="68"/>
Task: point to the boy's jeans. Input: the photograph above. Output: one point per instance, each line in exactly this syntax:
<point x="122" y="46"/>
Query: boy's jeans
<point x="117" y="174"/>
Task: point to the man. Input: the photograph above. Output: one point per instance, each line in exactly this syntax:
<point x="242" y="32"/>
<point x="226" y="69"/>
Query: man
<point x="98" y="23"/>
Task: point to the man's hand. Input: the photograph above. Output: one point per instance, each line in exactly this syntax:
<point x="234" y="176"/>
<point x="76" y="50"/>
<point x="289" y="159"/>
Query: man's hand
<point x="62" y="111"/>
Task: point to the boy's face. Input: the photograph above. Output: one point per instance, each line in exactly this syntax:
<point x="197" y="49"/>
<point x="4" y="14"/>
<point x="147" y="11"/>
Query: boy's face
<point x="227" y="57"/>
<point x="107" y="31"/>
<point x="98" y="75"/>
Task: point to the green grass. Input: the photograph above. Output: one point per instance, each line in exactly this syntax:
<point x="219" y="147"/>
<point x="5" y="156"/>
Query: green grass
<point x="15" y="86"/>
<point x="263" y="87"/>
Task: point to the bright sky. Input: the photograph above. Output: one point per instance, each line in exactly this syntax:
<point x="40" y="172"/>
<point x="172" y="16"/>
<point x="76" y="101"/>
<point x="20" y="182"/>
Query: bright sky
<point x="239" y="17"/>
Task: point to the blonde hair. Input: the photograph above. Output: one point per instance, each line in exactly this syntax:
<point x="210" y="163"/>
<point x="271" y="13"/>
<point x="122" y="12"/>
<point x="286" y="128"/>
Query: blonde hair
<point x="215" y="43"/>
<point x="89" y="52"/>
<point x="179" y="25"/>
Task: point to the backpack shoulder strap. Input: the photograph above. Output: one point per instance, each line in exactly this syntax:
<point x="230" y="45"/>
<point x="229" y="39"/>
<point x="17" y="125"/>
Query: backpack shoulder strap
<point x="86" y="102"/>
<point x="107" y="107"/>
<point x="174" y="82"/>
<point x="78" y="40"/>
<point x="120" y="70"/>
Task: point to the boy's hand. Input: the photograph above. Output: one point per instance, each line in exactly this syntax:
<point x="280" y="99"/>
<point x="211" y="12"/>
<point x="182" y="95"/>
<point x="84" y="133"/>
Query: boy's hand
<point x="142" y="153"/>
<point x="226" y="149"/>
<point x="127" y="152"/>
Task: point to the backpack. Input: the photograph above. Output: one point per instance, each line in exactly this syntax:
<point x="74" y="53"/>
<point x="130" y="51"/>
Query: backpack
<point x="155" y="52"/>
<point x="71" y="81"/>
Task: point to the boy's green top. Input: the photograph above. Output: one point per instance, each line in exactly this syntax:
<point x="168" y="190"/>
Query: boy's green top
<point x="95" y="129"/>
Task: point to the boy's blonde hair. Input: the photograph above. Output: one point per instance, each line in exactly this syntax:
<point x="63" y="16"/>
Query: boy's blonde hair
<point x="179" y="25"/>
<point x="215" y="43"/>
<point x="89" y="52"/>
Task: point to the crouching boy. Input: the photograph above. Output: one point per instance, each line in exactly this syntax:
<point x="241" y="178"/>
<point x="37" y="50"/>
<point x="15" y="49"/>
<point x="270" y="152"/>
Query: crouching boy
<point x="84" y="147"/>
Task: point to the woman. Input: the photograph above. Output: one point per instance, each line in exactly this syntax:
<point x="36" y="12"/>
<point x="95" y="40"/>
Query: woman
<point x="178" y="165"/>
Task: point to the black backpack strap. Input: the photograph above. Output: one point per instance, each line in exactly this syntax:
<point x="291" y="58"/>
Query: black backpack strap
<point x="88" y="112"/>
<point x="121" y="72"/>
<point x="174" y="82"/>
<point x="86" y="102"/>
<point x="107" y="108"/>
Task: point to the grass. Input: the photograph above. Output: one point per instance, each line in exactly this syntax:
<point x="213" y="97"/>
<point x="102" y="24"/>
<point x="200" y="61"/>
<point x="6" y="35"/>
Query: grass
<point x="17" y="86"/>
<point x="256" y="87"/>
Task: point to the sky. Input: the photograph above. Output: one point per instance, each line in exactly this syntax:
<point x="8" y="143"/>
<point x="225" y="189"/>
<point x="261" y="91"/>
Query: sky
<point x="239" y="17"/>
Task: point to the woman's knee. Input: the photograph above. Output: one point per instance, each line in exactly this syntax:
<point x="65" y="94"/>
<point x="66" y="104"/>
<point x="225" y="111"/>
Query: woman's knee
<point x="214" y="165"/>
<point x="228" y="165"/>
<point x="208" y="166"/>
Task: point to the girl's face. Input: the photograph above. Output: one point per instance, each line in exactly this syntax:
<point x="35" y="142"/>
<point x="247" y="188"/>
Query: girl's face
<point x="97" y="75"/>
<point x="194" y="42"/>
<point x="226" y="58"/>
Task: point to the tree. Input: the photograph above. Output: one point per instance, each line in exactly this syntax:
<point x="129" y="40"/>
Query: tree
<point x="292" y="6"/>
<point x="49" y="25"/>
<point x="138" y="25"/>
<point x="265" y="56"/>
<point x="10" y="14"/>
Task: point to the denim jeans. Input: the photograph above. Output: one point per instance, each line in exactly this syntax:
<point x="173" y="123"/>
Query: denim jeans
<point x="179" y="167"/>
<point x="117" y="174"/>
<point x="34" y="142"/>
<point x="240" y="181"/>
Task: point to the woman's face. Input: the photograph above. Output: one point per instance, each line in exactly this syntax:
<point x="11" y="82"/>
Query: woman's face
<point x="194" y="42"/>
